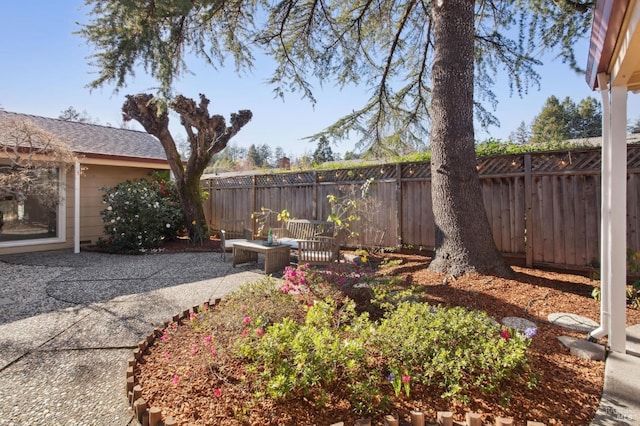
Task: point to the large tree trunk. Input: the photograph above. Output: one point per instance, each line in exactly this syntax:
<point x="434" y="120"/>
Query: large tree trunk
<point x="464" y="243"/>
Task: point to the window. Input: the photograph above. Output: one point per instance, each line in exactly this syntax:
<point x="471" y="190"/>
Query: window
<point x="36" y="216"/>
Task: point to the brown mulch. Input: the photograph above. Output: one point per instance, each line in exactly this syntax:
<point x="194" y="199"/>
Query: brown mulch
<point x="568" y="391"/>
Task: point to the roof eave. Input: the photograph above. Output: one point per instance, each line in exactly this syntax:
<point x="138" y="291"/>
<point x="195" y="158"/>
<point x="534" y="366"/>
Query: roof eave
<point x="605" y="31"/>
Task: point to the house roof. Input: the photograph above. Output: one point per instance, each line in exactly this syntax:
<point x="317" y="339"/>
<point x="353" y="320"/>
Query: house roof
<point x="614" y="48"/>
<point x="92" y="140"/>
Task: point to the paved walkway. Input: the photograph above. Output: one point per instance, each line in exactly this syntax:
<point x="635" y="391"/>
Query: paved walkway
<point x="69" y="322"/>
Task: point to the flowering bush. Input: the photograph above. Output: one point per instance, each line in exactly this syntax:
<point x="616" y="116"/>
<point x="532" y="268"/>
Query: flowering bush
<point x="139" y="214"/>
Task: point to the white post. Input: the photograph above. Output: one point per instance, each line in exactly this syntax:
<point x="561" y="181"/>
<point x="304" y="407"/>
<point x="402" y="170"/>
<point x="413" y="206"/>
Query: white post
<point x="76" y="209"/>
<point x="618" y="220"/>
<point x="600" y="332"/>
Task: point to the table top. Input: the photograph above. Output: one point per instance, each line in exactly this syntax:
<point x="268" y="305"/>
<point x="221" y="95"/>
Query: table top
<point x="260" y="244"/>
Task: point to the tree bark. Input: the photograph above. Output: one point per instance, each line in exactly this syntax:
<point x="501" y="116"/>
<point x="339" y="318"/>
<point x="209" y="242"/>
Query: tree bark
<point x="464" y="243"/>
<point x="207" y="135"/>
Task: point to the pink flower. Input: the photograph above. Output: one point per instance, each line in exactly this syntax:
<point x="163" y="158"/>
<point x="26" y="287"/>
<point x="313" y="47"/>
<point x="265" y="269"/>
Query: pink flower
<point x="246" y="320"/>
<point x="259" y="332"/>
<point x="405" y="378"/>
<point x="217" y="392"/>
<point x="213" y="351"/>
<point x="167" y="355"/>
<point x="192" y="316"/>
<point x="176" y="379"/>
<point x="194" y="349"/>
<point x="208" y="339"/>
<point x="244" y="332"/>
<point x="505" y="334"/>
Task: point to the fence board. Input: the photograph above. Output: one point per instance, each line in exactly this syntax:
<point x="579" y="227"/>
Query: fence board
<point x="547" y="218"/>
<point x="518" y="216"/>
<point x="570" y="219"/>
<point x="633" y="205"/>
<point x="559" y="220"/>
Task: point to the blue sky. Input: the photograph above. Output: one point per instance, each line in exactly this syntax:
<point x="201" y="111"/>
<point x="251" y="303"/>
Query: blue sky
<point x="45" y="70"/>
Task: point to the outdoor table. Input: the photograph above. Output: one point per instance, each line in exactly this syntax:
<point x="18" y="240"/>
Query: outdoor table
<point x="276" y="257"/>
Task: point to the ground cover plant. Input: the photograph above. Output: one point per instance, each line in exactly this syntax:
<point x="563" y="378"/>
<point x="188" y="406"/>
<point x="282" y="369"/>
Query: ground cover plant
<point x="300" y="353"/>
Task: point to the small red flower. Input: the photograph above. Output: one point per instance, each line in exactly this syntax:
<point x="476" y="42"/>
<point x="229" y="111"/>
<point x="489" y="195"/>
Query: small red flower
<point x="405" y="378"/>
<point x="505" y="334"/>
<point x="176" y="379"/>
<point x="217" y="392"/>
<point x="244" y="332"/>
<point x="246" y="320"/>
<point x="259" y="332"/>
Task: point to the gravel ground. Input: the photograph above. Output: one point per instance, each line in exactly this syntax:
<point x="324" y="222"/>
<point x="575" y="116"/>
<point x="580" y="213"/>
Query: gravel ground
<point x="69" y="322"/>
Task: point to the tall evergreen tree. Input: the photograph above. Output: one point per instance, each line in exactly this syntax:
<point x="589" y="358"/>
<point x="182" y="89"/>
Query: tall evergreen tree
<point x="552" y="124"/>
<point x="254" y="156"/>
<point x="323" y="152"/>
<point x="560" y="121"/>
<point x="403" y="51"/>
<point x="589" y="117"/>
<point x="520" y="135"/>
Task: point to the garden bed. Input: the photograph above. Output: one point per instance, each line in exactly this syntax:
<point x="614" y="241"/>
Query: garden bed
<point x="568" y="391"/>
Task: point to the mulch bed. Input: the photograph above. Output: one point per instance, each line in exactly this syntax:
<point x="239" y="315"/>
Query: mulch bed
<point x="568" y="392"/>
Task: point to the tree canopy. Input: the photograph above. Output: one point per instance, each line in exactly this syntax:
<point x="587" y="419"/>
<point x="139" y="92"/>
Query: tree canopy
<point x="385" y="45"/>
<point x="323" y="152"/>
<point x="32" y="154"/>
<point x="560" y="121"/>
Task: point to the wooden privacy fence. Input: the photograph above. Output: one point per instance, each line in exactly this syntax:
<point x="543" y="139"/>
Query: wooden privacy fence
<point x="542" y="207"/>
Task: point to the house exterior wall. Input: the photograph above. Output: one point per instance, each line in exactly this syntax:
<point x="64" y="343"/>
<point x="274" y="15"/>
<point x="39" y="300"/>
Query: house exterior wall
<point x="93" y="178"/>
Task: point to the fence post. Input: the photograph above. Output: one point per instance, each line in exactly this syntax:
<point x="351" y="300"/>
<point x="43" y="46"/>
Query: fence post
<point x="528" y="209"/>
<point x="254" y="201"/>
<point x="314" y="195"/>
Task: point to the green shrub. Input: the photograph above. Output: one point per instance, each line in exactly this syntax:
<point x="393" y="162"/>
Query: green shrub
<point x="262" y="301"/>
<point x="294" y="360"/>
<point x="139" y="214"/>
<point x="453" y="349"/>
<point x="633" y="289"/>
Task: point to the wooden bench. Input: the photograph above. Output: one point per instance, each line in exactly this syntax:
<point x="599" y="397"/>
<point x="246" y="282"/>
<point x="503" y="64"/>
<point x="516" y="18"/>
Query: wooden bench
<point x="302" y="229"/>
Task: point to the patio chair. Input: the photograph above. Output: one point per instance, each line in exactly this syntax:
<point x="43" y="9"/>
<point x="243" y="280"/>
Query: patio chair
<point x="232" y="231"/>
<point x="318" y="251"/>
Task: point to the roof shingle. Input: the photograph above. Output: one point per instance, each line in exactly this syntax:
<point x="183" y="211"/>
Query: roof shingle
<point x="88" y="139"/>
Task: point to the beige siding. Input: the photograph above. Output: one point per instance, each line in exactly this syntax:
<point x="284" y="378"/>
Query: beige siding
<point x="96" y="177"/>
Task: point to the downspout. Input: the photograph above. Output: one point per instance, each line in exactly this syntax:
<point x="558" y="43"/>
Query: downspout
<point x="605" y="283"/>
<point x="76" y="209"/>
